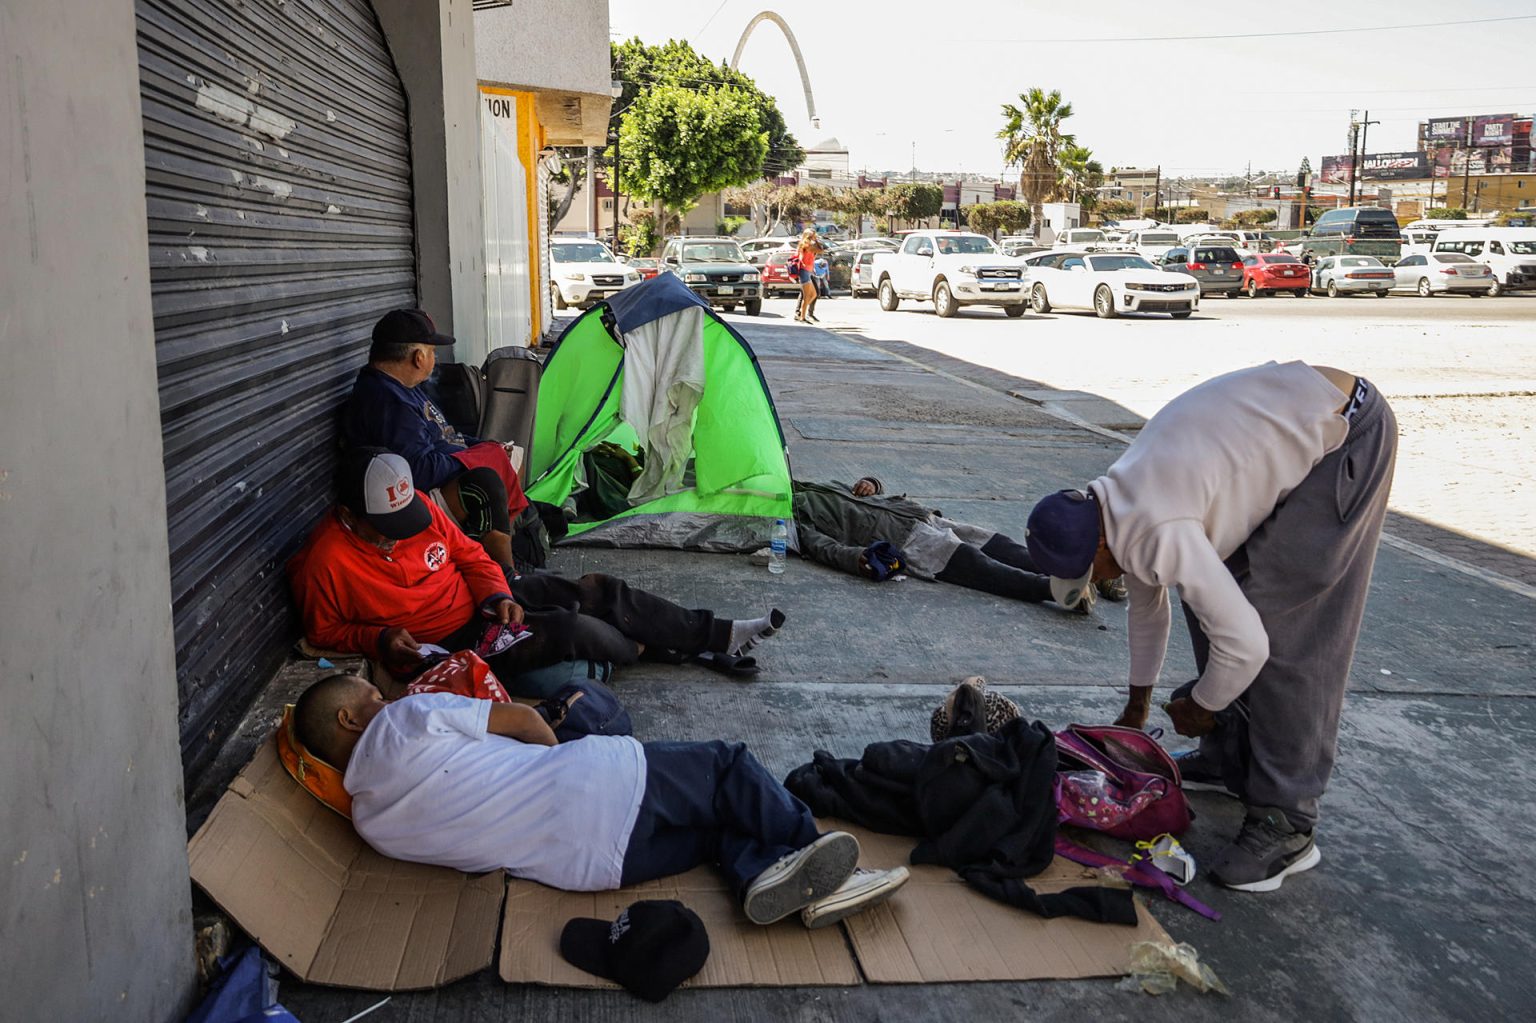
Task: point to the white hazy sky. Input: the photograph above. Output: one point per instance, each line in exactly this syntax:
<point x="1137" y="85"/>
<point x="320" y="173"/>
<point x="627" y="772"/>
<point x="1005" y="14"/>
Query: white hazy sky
<point x="890" y="73"/>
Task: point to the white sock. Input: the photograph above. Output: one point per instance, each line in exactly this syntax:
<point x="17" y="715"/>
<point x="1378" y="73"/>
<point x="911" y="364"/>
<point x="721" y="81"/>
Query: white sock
<point x="748" y="632"/>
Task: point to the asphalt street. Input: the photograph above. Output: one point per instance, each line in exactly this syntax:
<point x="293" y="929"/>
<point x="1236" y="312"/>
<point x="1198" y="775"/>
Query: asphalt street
<point x="1420" y="908"/>
<point x="1460" y="372"/>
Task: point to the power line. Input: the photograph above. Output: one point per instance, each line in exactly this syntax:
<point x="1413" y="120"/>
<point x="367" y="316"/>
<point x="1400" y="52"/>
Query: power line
<point x="1251" y="35"/>
<point x="711" y="19"/>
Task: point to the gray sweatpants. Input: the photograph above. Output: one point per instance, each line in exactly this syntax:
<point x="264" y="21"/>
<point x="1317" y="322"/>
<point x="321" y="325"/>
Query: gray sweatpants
<point x="1306" y="570"/>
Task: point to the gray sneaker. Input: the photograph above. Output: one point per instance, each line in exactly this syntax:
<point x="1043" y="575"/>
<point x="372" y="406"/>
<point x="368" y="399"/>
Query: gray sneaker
<point x="801" y="878"/>
<point x="865" y="889"/>
<point x="1266" y="851"/>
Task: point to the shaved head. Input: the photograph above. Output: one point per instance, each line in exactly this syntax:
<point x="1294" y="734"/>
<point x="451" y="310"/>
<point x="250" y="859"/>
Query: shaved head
<point x="326" y="712"/>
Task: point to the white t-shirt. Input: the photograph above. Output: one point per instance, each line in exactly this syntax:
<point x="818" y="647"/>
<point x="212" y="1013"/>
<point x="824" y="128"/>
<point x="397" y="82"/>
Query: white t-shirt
<point x="429" y="784"/>
<point x="1198" y="480"/>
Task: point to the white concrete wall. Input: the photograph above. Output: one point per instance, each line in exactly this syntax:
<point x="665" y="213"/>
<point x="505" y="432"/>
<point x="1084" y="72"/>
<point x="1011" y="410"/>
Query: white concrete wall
<point x="433" y="44"/>
<point x="554" y="45"/>
<point x="95" y="918"/>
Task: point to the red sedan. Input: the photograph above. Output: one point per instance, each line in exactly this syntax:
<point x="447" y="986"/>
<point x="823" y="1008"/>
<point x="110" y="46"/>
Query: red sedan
<point x="646" y="266"/>
<point x="1270" y="272"/>
<point x="776" y="278"/>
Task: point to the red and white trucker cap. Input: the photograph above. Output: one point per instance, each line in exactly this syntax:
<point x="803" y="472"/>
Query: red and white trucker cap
<point x="377" y="485"/>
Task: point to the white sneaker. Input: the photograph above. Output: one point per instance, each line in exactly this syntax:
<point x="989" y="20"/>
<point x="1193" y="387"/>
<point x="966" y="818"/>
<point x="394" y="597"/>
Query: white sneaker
<point x="863" y="890"/>
<point x="801" y="878"/>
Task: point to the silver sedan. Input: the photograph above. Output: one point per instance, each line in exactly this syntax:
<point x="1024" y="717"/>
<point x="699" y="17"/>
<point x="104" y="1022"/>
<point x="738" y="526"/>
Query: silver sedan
<point x="1439" y="273"/>
<point x="1348" y="275"/>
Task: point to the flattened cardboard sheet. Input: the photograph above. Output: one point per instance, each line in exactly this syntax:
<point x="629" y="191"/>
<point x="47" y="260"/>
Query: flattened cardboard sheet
<point x="939" y="930"/>
<point x="295" y="876"/>
<point x="741" y="953"/>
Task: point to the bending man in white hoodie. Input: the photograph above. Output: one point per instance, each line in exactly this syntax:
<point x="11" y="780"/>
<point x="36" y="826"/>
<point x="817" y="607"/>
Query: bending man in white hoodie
<point x="1260" y="495"/>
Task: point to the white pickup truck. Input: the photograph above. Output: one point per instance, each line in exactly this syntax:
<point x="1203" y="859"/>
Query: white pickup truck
<point x="951" y="269"/>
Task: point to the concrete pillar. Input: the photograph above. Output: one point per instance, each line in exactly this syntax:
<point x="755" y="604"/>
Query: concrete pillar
<point x="433" y="44"/>
<point x="95" y="908"/>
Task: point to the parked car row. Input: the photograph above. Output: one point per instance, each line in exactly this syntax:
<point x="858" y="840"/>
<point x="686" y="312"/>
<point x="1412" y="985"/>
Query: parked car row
<point x="953" y="269"/>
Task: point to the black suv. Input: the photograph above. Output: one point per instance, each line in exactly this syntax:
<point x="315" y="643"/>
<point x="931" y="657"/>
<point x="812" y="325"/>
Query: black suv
<point x="1354" y="231"/>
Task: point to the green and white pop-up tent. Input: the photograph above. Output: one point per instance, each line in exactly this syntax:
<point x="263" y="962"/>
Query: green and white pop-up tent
<point x="656" y="371"/>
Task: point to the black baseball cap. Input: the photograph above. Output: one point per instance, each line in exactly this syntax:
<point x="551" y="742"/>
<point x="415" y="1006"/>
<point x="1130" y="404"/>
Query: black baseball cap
<point x="407" y="327"/>
<point x="652" y="947"/>
<point x="377" y="485"/>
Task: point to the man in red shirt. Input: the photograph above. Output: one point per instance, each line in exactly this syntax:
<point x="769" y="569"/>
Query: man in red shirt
<point x="386" y="571"/>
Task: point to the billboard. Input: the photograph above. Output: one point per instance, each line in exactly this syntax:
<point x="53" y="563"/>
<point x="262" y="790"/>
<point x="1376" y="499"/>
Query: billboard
<point x="1493" y="130"/>
<point x="1445" y="131"/>
<point x="1455" y="161"/>
<point x="1376" y="167"/>
<point x="1394" y="166"/>
<point x="1334" y="170"/>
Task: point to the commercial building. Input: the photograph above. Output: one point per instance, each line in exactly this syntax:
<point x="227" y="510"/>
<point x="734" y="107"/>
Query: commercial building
<point x="209" y="206"/>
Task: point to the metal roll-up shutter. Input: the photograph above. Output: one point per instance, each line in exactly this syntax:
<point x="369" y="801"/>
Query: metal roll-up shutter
<point x="280" y="229"/>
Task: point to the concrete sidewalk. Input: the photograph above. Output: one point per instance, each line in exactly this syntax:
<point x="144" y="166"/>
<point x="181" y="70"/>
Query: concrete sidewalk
<point x="1418" y="909"/>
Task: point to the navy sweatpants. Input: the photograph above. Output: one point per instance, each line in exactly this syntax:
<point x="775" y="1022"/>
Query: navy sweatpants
<point x="712" y="802"/>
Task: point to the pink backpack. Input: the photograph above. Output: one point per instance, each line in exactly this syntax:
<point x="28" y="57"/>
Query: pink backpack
<point x="1122" y="782"/>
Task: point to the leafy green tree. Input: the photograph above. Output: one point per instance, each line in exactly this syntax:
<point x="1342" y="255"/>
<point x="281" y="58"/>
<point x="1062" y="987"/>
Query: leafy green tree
<point x="1252" y="218"/>
<point x="1115" y="209"/>
<point x="913" y="201"/>
<point x="1032" y="136"/>
<point x="1446" y="213"/>
<point x="982" y="218"/>
<point x="679" y="143"/>
<point x="638" y="66"/>
<point x="1005" y="215"/>
<point x="1012" y="215"/>
<point x="852" y="205"/>
<point x="802" y="202"/>
<point x="1191" y="215"/>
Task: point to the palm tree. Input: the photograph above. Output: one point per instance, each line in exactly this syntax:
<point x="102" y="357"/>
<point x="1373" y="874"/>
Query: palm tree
<point x="1032" y="135"/>
<point x="1075" y="163"/>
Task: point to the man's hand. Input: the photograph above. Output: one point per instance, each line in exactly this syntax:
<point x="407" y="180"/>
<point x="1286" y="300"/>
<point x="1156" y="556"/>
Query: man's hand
<point x="399" y="650"/>
<point x="1189" y="718"/>
<point x="507" y="612"/>
<point x="864" y="568"/>
<point x="1137" y="706"/>
<point x="863" y="488"/>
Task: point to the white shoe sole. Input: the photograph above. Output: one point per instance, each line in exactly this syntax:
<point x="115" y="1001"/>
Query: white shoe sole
<point x="840" y="906"/>
<point x="1269" y="884"/>
<point x="817" y="871"/>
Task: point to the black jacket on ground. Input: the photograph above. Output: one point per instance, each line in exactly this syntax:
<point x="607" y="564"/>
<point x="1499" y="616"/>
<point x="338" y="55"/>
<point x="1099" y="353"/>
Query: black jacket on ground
<point x="983" y="806"/>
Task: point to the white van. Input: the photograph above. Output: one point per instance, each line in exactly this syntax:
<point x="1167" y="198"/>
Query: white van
<point x="1419" y="236"/>
<point x="1151" y="242"/>
<point x="1510" y="252"/>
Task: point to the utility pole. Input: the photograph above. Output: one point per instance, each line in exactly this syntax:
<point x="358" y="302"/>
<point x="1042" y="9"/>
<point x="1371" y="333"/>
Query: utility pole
<point x="1365" y="127"/>
<point x="1466" y="161"/>
<point x="591" y="194"/>
<point x="1354" y="140"/>
<point x="1157" y="191"/>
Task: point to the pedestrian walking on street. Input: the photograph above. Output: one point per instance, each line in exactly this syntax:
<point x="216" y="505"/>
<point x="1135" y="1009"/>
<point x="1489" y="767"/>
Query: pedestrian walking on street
<point x="1260" y="495"/>
<point x="805" y="257"/>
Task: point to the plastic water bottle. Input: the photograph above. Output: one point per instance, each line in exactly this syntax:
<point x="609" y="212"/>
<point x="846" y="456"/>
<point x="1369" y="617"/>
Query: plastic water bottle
<point x="778" y="547"/>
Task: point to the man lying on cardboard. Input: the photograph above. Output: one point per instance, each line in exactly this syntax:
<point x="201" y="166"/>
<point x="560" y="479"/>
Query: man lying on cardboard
<point x="475" y="785"/>
<point x="387" y="571"/>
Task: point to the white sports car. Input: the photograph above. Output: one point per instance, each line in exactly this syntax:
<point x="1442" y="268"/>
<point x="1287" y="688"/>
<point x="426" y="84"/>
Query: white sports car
<point x="1109" y="283"/>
